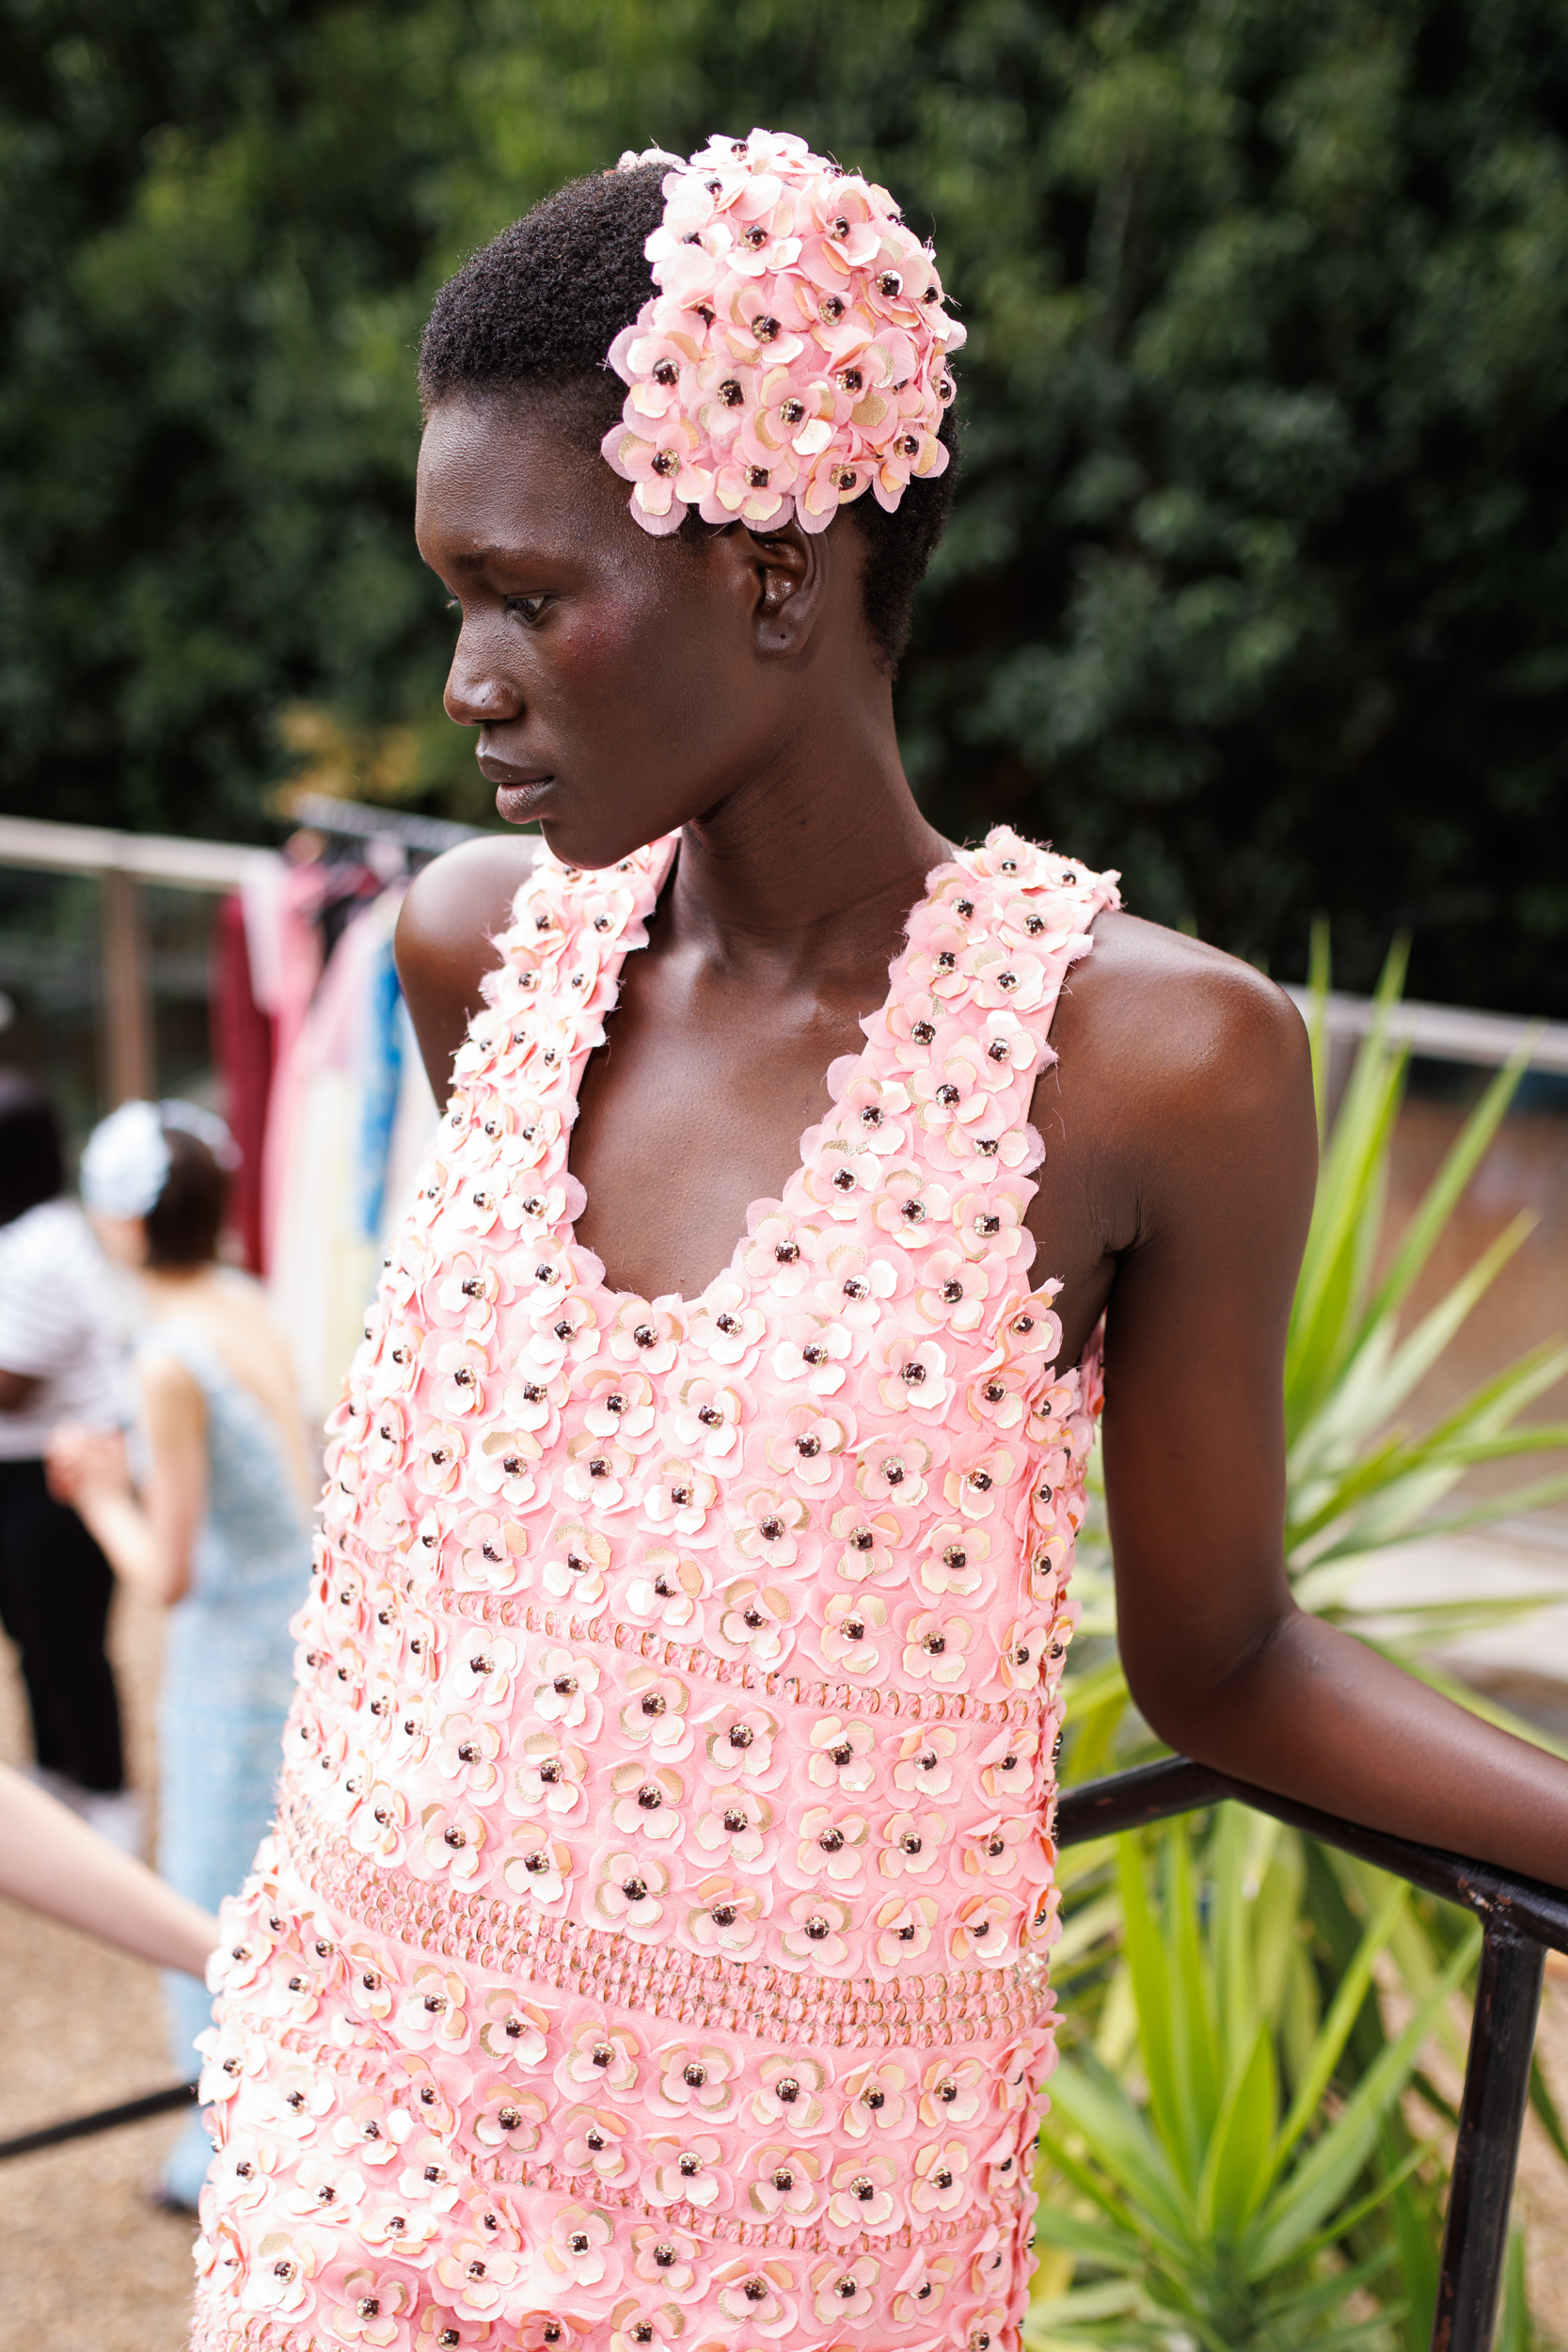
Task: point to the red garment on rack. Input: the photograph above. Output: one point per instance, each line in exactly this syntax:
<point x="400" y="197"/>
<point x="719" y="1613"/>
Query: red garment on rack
<point x="243" y="1050"/>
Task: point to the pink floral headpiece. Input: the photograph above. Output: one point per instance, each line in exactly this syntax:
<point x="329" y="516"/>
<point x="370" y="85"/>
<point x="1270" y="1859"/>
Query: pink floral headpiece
<point x="794" y="355"/>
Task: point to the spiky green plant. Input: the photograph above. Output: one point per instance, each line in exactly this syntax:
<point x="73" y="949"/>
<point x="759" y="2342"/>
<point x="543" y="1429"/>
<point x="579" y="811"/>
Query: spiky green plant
<point x="1211" y="2197"/>
<point x="1357" y="1482"/>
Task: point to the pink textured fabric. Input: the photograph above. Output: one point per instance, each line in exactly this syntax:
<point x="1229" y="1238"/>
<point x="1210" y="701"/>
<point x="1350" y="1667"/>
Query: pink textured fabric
<point x="650" y="1945"/>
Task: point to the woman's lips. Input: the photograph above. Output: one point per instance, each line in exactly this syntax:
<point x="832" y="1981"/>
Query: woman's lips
<point x="518" y="797"/>
<point x="499" y="771"/>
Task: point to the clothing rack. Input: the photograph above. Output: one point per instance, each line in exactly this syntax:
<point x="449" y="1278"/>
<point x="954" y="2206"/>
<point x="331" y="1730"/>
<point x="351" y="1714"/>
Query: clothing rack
<point x="322" y="812"/>
<point x="126" y="865"/>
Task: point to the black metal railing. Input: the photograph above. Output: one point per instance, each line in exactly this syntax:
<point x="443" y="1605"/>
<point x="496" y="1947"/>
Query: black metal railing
<point x="1520" y="1921"/>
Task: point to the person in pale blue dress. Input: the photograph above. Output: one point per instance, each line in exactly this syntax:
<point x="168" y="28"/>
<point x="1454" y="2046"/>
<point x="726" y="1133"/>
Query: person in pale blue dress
<point x="217" y="1524"/>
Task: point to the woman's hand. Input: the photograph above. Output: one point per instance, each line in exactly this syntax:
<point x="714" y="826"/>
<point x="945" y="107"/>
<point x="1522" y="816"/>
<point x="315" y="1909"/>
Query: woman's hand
<point x="83" y="1463"/>
<point x="146" y="1544"/>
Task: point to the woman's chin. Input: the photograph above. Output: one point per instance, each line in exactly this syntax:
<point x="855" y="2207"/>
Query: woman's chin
<point x="580" y="842"/>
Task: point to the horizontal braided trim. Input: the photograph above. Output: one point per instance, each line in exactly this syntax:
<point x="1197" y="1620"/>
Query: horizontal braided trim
<point x="752" y="1998"/>
<point x="686" y="1657"/>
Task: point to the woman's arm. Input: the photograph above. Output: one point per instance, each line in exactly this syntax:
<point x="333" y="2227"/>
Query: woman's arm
<point x="1220" y="1660"/>
<point x="52" y="1863"/>
<point x="148" y="1542"/>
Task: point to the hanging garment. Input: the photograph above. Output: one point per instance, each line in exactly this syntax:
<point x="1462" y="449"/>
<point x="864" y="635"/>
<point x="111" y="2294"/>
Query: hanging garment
<point x="227" y="1678"/>
<point x="243" y="1052"/>
<point x="283" y="945"/>
<point x="651" y="1944"/>
<point x="351" y="1089"/>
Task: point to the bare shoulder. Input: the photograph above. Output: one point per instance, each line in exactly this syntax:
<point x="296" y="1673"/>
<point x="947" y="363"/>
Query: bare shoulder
<point x="1180" y="1023"/>
<point x="446" y="935"/>
<point x="455" y="907"/>
<point x="169" y="1389"/>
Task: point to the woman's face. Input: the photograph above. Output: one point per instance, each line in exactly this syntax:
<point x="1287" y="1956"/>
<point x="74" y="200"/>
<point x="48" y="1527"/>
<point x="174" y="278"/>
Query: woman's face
<point x="621" y="684"/>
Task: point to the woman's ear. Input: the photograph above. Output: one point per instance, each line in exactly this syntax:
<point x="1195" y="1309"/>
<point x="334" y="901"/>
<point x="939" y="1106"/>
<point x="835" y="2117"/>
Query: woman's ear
<point x="789" y="572"/>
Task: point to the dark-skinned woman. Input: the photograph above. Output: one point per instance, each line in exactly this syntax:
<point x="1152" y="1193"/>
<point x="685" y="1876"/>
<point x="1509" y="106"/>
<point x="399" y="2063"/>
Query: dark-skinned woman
<point x="652" y="1944"/>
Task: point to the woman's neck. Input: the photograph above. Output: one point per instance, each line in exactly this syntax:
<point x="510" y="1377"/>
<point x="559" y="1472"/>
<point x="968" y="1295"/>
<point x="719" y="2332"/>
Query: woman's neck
<point x="168" y="1288"/>
<point x="807" y="869"/>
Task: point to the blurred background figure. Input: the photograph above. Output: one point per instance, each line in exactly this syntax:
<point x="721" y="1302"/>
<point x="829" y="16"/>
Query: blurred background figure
<point x="60" y="1356"/>
<point x="215" y="1525"/>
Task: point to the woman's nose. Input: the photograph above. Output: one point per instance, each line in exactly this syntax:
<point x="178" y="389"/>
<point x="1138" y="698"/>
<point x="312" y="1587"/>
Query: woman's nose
<point x="477" y="693"/>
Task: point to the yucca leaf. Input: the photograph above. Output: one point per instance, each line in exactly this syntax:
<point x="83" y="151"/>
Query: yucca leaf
<point x="1101" y="1683"/>
<point x="1443" y="1195"/>
<point x="1516" y="2330"/>
<point x="1416" y="2236"/>
<point x="1538" y="1436"/>
<point x="1335" y="2028"/>
<point x="1546" y="2108"/>
<point x="1494" y="1402"/>
<point x="1084" y="1927"/>
<point x="1438" y="1621"/>
<point x="1097" y="2107"/>
<point x="1152" y="1996"/>
<point x="1318" y="970"/>
<point x="1112" y="2249"/>
<point x="1198" y="2063"/>
<point x="1109" y="2301"/>
<point x="1275" y="1912"/>
<point x="1516" y="1504"/>
<point x="1107" y="2196"/>
<point x="1305" y="2195"/>
<point x="1235" y="2002"/>
<point x="1239" y="2169"/>
<point x="1331" y="1288"/>
<point x="1380" y="1375"/>
<point x="1371" y="1473"/>
<point x="1391" y="1492"/>
<point x="1093" y="2319"/>
<point x="1414" y="1355"/>
<point x="1351" y="2216"/>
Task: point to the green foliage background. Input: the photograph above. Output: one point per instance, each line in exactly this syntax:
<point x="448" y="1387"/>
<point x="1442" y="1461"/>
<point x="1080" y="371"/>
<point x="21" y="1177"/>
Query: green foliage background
<point x="1257" y="582"/>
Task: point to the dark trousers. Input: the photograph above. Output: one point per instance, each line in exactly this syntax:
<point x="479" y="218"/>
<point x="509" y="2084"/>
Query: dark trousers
<point x="54" y="1592"/>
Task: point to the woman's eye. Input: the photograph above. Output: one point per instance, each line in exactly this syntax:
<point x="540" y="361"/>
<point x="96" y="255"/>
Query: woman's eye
<point x="527" y="608"/>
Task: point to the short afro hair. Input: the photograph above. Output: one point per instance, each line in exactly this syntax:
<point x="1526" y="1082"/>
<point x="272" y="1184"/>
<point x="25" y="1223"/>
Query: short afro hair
<point x="538" y="309"/>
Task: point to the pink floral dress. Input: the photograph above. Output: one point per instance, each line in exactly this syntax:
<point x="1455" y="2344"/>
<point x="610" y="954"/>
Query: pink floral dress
<point x="650" y="1948"/>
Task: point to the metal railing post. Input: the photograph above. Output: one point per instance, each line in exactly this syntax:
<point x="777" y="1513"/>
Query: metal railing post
<point x="1486" y="2153"/>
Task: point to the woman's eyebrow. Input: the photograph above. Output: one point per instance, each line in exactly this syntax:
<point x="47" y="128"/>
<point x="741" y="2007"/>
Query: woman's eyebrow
<point x="478" y="558"/>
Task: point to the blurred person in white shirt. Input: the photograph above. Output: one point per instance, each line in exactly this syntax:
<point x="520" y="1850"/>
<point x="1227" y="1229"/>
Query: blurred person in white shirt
<point x="60" y="1361"/>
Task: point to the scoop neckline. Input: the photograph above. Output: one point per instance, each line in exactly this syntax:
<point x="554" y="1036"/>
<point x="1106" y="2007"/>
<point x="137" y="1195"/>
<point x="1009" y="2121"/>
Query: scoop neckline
<point x="756" y="1210"/>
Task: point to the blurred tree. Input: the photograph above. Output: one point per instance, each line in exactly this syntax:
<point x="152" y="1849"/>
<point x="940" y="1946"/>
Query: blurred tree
<point x="1256" y="580"/>
<point x="1259" y="573"/>
<point x="221" y="222"/>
